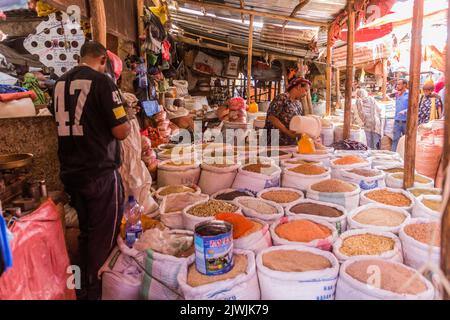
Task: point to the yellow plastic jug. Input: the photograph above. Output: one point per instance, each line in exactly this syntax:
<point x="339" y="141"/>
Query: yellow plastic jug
<point x="253" y="107"/>
<point x="306" y="145"/>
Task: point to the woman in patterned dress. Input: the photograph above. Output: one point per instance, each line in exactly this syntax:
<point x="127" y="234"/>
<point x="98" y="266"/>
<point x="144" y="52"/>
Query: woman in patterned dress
<point x="283" y="108"/>
<point x="430" y="107"/>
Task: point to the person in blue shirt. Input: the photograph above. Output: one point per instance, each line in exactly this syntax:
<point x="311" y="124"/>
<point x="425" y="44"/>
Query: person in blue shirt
<point x="401" y="111"/>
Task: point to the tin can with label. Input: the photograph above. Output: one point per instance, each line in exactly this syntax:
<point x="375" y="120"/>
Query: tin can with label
<point x="214" y="247"/>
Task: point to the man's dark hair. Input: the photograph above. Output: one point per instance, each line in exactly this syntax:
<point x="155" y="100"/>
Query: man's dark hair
<point x="92" y="49"/>
<point x="404" y="81"/>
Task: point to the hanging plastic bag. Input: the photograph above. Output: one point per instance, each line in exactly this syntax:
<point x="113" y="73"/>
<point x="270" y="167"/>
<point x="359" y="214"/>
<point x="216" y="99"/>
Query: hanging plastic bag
<point x="39" y="253"/>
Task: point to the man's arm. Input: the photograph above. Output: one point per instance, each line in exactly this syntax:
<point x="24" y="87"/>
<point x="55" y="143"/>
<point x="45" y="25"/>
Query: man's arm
<point x="113" y="107"/>
<point x="121" y="131"/>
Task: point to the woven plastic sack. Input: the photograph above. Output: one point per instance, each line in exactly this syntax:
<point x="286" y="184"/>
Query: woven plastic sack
<point x="40" y="270"/>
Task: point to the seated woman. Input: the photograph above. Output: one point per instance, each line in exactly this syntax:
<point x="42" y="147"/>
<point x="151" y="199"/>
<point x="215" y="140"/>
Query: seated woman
<point x="430" y="106"/>
<point x="283" y="108"/>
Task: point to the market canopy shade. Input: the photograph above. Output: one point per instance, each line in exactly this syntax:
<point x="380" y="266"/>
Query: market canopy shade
<point x="213" y="22"/>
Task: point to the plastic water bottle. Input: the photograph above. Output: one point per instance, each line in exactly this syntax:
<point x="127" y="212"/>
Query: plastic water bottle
<point x="133" y="226"/>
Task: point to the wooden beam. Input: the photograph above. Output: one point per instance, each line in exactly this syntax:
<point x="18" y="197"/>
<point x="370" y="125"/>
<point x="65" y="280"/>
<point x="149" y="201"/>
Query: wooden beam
<point x="214" y="6"/>
<point x="249" y="59"/>
<point x="297" y="8"/>
<point x="328" y="75"/>
<point x="242" y="4"/>
<point x="445" y="225"/>
<point x="338" y="88"/>
<point x="230" y="47"/>
<point x="98" y="21"/>
<point x="384" y="75"/>
<point x="349" y="81"/>
<point x="414" y="93"/>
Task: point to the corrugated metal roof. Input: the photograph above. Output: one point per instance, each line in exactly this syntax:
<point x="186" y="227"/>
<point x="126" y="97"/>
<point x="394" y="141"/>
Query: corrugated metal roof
<point x="294" y="39"/>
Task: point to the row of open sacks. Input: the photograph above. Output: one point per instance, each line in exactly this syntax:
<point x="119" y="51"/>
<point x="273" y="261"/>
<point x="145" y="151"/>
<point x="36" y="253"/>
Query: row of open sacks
<point x="132" y="274"/>
<point x="212" y="178"/>
<point x="174" y="210"/>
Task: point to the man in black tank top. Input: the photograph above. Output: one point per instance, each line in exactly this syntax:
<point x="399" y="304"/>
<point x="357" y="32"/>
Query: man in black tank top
<point x="91" y="120"/>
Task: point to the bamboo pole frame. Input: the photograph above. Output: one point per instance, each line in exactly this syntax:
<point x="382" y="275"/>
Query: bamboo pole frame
<point x="414" y="92"/>
<point x="214" y="6"/>
<point x="98" y="21"/>
<point x="249" y="59"/>
<point x="328" y="75"/>
<point x="445" y="225"/>
<point x="349" y="81"/>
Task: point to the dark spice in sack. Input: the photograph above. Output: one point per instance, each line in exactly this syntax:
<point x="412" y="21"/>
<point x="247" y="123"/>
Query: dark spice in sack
<point x="316" y="210"/>
<point x="230" y="196"/>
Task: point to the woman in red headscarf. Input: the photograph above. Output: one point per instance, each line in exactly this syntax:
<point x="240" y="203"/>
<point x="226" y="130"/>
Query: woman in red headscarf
<point x="283" y="108"/>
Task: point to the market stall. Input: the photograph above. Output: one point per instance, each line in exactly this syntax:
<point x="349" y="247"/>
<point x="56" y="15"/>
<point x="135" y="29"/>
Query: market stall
<point x="213" y="211"/>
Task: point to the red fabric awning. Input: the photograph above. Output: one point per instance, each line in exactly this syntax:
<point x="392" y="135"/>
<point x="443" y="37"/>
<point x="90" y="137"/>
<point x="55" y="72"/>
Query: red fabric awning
<point x="369" y="34"/>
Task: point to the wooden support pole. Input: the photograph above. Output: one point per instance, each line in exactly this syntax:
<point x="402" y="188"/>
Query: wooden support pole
<point x="249" y="59"/>
<point x="98" y="21"/>
<point x="217" y="7"/>
<point x="270" y="91"/>
<point x="445" y="226"/>
<point x="349" y="80"/>
<point x="328" y="75"/>
<point x="414" y="92"/>
<point x="141" y="29"/>
<point x="384" y="86"/>
<point x="338" y="87"/>
<point x="307" y="108"/>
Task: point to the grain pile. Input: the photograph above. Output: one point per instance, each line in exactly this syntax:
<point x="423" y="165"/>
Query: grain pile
<point x="366" y="172"/>
<point x="309" y="169"/>
<point x="256" y="227"/>
<point x="427" y="233"/>
<point x="366" y="244"/>
<point x="393" y="276"/>
<point x="432" y="204"/>
<point x="389" y="198"/>
<point x="333" y="185"/>
<point x="425" y="192"/>
<point x="348" y="160"/>
<point x="394" y="170"/>
<point x="196" y="279"/>
<point x="316" y="210"/>
<point x="230" y="196"/>
<point x="294" y="261"/>
<point x="380" y="217"/>
<point x="211" y="208"/>
<point x="417" y="178"/>
<point x="300" y="162"/>
<point x="257" y="168"/>
<point x="175" y="189"/>
<point x="258" y="205"/>
<point x="274" y="153"/>
<point x="302" y="231"/>
<point x="281" y="196"/>
<point x="241" y="224"/>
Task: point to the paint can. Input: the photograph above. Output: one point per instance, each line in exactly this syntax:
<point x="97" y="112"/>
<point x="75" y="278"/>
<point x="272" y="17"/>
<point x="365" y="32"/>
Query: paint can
<point x="214" y="247"/>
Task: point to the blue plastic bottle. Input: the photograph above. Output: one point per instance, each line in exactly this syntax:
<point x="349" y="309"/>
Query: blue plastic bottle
<point x="133" y="226"/>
